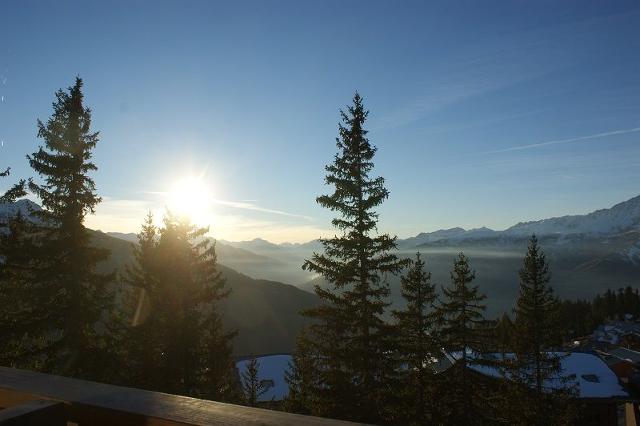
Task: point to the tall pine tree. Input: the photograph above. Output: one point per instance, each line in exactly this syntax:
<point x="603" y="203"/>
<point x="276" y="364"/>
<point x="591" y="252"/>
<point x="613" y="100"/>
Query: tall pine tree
<point x="417" y="346"/>
<point x="537" y="333"/>
<point x="72" y="297"/>
<point x="350" y="340"/>
<point x="463" y="331"/>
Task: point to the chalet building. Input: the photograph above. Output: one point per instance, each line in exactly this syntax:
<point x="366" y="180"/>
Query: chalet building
<point x="625" y="363"/>
<point x="604" y="399"/>
<point x="599" y="389"/>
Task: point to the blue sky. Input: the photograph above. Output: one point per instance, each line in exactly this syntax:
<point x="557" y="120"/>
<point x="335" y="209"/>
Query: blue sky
<point x="245" y="96"/>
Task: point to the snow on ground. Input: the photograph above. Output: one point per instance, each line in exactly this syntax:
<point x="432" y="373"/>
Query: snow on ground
<point x="271" y="367"/>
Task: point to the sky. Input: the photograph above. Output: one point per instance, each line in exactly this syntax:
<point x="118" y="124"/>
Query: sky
<point x="484" y="113"/>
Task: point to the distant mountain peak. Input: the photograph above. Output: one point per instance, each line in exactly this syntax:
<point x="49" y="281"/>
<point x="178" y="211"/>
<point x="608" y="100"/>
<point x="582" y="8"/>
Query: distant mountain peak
<point x="24" y="206"/>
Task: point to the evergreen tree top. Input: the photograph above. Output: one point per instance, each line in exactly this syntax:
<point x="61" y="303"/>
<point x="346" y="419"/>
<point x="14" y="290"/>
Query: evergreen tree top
<point x="355" y="192"/>
<point x="535" y="269"/>
<point x="461" y="311"/>
<point x="416" y="286"/>
<point x="357" y="252"/>
<point x="537" y="308"/>
<point x="65" y="159"/>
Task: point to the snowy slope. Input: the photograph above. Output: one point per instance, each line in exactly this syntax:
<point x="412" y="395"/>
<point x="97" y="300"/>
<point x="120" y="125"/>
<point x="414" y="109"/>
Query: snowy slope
<point x="23" y="206"/>
<point x="452" y="234"/>
<point x="622" y="216"/>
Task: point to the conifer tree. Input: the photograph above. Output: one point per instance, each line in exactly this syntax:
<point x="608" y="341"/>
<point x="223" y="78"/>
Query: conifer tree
<point x="350" y="337"/>
<point x="537" y="333"/>
<point x="178" y="341"/>
<point x="417" y="345"/>
<point x="75" y="297"/>
<point x="503" y="334"/>
<point x="463" y="331"/>
<point x="252" y="387"/>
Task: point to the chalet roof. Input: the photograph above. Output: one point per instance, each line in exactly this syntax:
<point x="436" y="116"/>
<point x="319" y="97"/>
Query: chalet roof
<point x="592" y="376"/>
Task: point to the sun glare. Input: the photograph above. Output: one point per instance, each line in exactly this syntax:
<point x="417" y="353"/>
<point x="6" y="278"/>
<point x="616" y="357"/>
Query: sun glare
<point x="191" y="197"/>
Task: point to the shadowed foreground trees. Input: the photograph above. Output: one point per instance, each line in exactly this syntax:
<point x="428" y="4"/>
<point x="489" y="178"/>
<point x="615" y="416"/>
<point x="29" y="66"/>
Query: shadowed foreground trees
<point x="463" y="330"/>
<point x="417" y="342"/>
<point x="177" y="343"/>
<point x="69" y="297"/>
<point x="537" y="332"/>
<point x="59" y="315"/>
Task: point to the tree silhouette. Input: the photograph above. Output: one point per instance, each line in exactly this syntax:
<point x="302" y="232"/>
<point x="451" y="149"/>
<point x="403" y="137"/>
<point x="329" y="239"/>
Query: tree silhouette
<point x="350" y="336"/>
<point x="65" y="332"/>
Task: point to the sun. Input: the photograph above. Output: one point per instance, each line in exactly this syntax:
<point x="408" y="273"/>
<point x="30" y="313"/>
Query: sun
<point x="191" y="197"/>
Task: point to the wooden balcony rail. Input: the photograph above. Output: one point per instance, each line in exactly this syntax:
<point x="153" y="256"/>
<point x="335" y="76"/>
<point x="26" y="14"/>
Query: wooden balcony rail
<point x="29" y="398"/>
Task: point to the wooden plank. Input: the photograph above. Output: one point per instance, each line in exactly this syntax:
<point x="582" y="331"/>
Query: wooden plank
<point x="36" y="412"/>
<point x="102" y="404"/>
<point x="630" y="414"/>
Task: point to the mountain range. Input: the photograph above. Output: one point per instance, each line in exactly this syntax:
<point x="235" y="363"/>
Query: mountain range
<point x="587" y="254"/>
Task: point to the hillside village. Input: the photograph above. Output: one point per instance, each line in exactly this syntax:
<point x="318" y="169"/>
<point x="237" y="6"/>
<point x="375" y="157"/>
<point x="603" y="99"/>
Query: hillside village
<point x="604" y="366"/>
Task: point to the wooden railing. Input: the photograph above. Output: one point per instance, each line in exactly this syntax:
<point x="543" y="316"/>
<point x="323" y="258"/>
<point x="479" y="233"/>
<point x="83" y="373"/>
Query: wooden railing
<point x="29" y="398"/>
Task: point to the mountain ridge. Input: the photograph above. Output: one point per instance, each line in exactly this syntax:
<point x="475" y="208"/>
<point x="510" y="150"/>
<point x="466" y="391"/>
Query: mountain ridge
<point x="617" y="218"/>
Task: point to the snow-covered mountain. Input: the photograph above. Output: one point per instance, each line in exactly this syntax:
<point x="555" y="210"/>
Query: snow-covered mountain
<point x="24" y="206"/>
<point x="621" y="217"/>
<point x="587" y="253"/>
<point x="452" y="234"/>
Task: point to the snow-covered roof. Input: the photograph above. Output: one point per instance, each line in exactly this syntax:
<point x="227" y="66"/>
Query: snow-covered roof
<point x="584" y="365"/>
<point x="594" y="379"/>
<point x="271" y="367"/>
